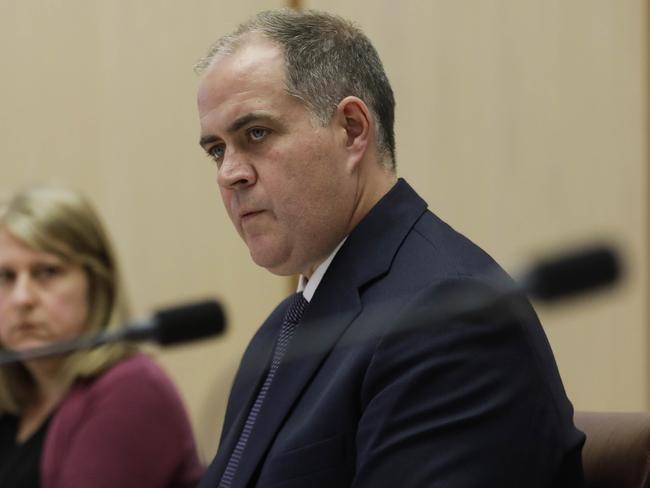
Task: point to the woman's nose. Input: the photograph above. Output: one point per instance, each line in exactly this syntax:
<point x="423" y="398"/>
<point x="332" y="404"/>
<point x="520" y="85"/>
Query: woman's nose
<point x="23" y="293"/>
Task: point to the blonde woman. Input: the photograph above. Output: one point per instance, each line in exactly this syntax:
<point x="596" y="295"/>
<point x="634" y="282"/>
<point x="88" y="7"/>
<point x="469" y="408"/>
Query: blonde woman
<point x="108" y="417"/>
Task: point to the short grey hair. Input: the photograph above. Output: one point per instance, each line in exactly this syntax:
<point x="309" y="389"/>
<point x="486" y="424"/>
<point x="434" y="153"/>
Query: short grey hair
<point x="327" y="59"/>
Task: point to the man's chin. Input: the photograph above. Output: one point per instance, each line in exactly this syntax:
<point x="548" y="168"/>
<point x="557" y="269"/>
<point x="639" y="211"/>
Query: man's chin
<point x="277" y="264"/>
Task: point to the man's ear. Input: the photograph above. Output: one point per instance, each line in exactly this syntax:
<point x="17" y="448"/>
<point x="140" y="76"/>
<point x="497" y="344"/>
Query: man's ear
<point x="354" y="117"/>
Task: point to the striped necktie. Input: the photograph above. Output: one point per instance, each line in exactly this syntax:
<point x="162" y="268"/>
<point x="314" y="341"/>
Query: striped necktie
<point x="291" y="319"/>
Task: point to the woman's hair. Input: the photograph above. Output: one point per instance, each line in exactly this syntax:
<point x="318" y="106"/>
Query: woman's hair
<point x="60" y="221"/>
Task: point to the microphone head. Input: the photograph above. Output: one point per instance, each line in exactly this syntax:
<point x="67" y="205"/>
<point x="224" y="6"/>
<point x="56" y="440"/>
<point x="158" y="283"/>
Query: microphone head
<point x="573" y="273"/>
<point x="188" y="322"/>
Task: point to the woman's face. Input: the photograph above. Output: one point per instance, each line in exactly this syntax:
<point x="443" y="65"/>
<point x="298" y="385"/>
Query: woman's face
<point x="43" y="299"/>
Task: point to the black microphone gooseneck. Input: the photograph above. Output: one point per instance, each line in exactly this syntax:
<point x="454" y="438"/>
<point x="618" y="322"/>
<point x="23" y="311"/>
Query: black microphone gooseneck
<point x="166" y="327"/>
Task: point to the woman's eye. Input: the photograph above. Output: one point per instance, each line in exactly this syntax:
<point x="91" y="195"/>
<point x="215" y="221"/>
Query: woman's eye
<point x="257" y="134"/>
<point x="6" y="276"/>
<point x="46" y="272"/>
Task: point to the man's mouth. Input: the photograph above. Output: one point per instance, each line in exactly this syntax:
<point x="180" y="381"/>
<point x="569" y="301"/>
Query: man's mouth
<point x="244" y="216"/>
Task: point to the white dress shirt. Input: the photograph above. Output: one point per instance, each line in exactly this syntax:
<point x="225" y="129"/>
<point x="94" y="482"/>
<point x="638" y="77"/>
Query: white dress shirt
<point x="308" y="287"/>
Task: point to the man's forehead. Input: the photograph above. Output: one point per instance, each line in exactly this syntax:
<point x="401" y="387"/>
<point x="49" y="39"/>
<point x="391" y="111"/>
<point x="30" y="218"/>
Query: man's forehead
<point x="251" y="51"/>
<point x="256" y="62"/>
<point x="253" y="69"/>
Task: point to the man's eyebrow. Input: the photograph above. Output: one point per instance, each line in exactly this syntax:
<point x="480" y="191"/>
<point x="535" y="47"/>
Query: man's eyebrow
<point x="238" y="124"/>
<point x="248" y="118"/>
<point x="206" y="140"/>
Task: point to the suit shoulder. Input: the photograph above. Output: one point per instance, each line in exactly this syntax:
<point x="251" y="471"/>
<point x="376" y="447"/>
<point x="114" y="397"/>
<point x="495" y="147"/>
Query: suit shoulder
<point x="441" y="249"/>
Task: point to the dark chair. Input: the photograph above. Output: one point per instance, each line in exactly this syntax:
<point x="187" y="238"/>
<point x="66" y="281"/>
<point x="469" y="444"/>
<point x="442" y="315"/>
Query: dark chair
<point x="617" y="450"/>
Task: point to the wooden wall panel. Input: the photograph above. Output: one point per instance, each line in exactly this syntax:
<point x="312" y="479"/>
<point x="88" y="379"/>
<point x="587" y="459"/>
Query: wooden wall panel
<point x="524" y="123"/>
<point x="101" y="95"/>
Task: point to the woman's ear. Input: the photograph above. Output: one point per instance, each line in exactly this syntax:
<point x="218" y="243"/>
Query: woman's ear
<point x="354" y="117"/>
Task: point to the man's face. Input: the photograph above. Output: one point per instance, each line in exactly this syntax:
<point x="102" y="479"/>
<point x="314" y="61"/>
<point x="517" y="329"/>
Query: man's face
<point x="285" y="181"/>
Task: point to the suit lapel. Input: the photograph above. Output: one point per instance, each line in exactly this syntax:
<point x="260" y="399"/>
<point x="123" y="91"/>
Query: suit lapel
<point x="249" y="378"/>
<point x="315" y="336"/>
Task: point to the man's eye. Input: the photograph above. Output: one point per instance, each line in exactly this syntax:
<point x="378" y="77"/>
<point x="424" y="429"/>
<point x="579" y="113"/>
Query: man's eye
<point x="257" y="134"/>
<point x="217" y="151"/>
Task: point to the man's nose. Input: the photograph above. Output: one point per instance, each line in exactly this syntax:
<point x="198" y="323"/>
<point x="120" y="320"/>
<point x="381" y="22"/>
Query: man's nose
<point x="236" y="172"/>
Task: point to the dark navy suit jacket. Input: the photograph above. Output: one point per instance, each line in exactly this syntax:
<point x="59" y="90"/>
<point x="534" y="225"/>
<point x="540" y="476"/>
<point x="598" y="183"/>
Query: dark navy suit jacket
<point x="362" y="399"/>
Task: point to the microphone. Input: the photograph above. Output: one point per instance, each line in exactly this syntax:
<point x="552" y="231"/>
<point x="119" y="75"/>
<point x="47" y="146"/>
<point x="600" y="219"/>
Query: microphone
<point x="176" y="325"/>
<point x="572" y="273"/>
<point x="562" y="276"/>
<point x="167" y="327"/>
<point x="549" y="280"/>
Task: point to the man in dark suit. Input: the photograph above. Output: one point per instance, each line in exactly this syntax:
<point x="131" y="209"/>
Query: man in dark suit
<point x="337" y="389"/>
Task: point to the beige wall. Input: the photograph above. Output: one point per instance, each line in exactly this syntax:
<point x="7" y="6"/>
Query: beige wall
<point x="101" y="94"/>
<point x="523" y="123"/>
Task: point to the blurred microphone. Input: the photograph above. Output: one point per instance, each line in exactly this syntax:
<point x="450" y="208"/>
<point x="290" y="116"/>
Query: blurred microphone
<point x="549" y="280"/>
<point x="166" y="327"/>
<point x="572" y="273"/>
<point x="568" y="274"/>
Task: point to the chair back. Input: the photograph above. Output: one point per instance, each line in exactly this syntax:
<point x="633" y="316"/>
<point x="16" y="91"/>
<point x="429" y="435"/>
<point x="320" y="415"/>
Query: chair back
<point x="617" y="450"/>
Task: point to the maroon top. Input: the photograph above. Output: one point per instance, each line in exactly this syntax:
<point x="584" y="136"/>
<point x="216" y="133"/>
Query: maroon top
<point x="125" y="428"/>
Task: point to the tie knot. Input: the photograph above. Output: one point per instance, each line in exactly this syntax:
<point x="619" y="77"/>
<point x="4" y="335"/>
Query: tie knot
<point x="296" y="309"/>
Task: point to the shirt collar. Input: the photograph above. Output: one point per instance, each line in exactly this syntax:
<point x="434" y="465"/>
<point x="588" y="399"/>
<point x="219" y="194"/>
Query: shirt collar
<point x="308" y="287"/>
